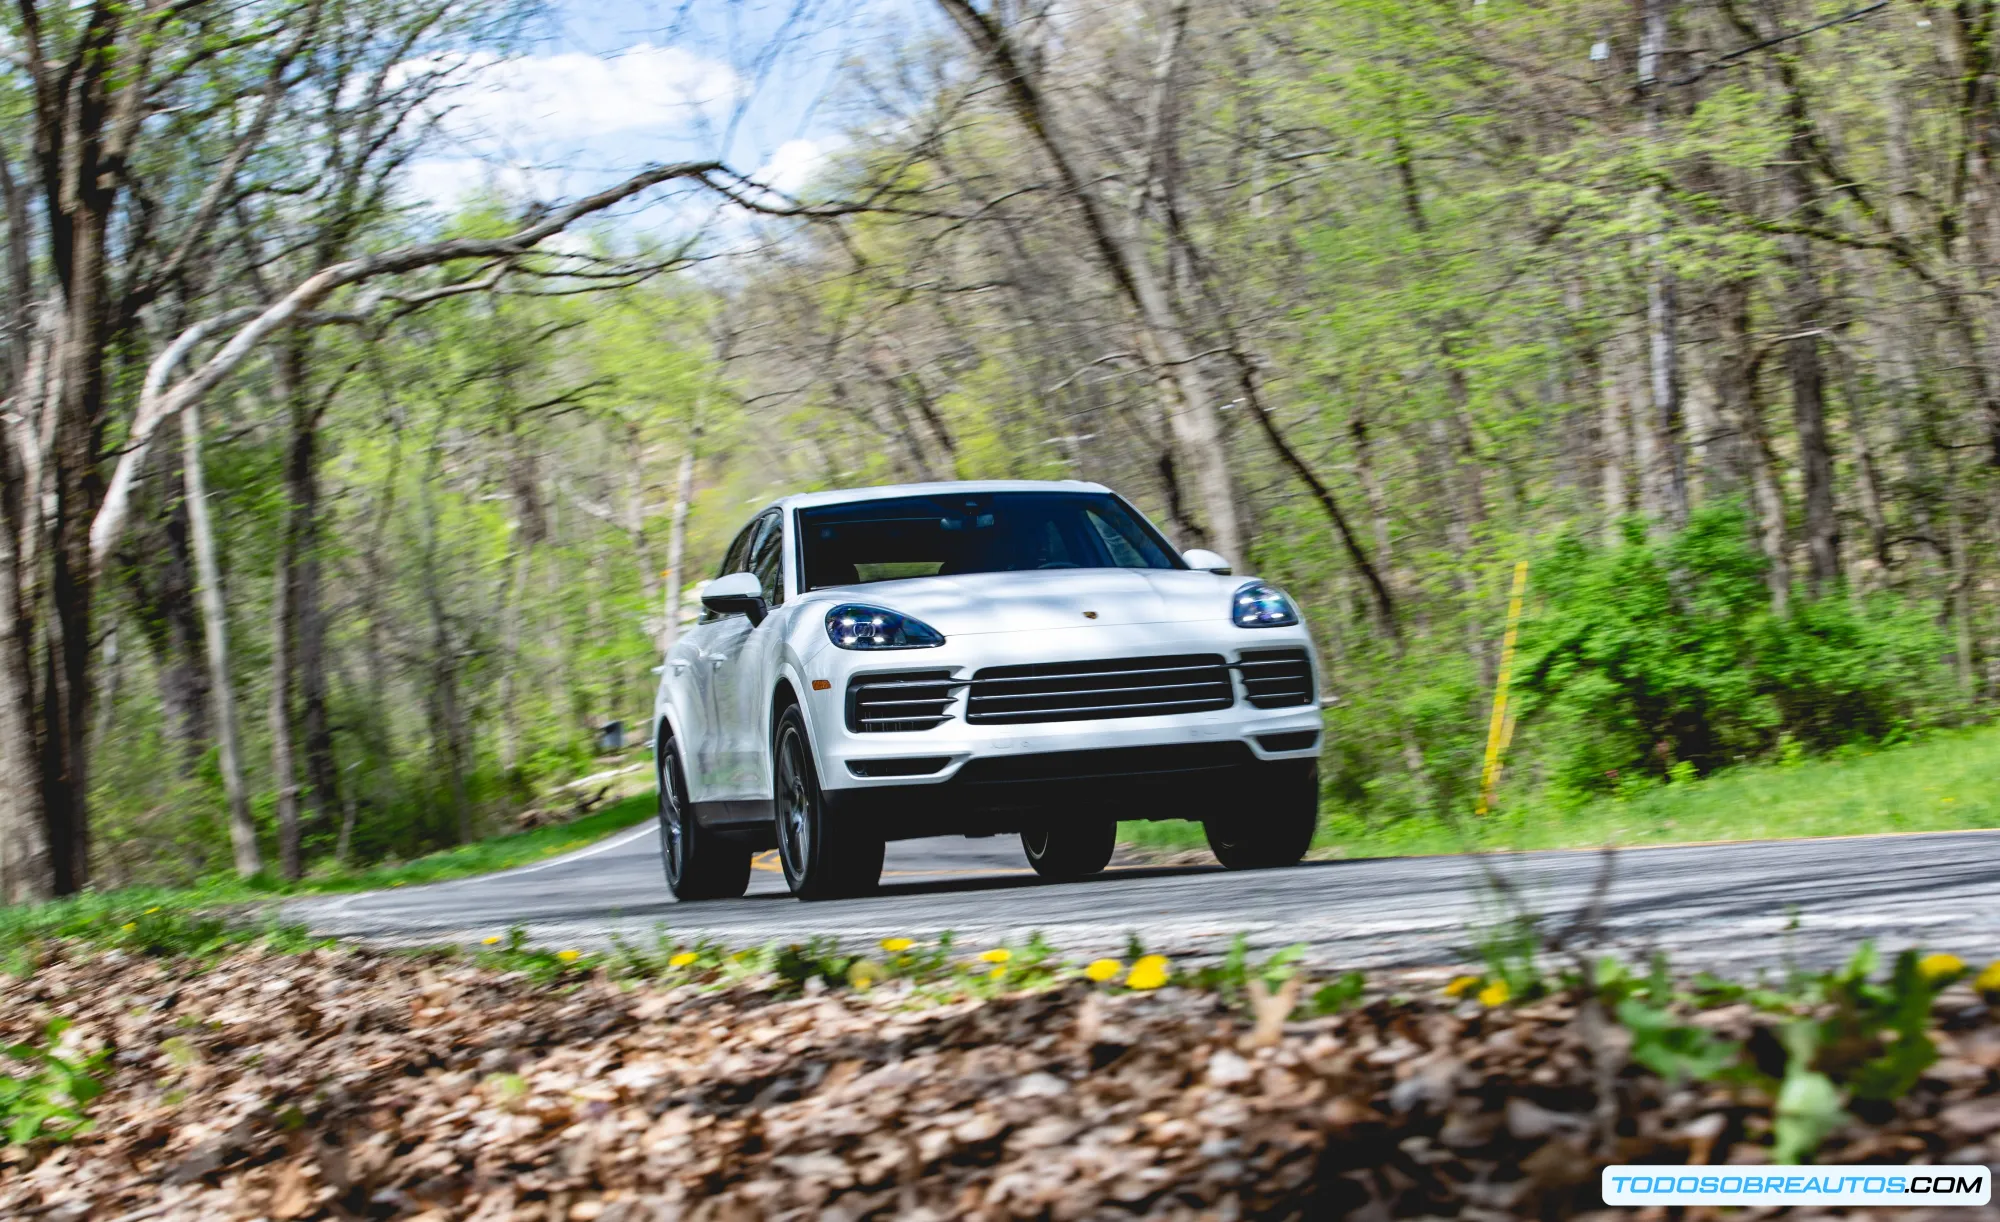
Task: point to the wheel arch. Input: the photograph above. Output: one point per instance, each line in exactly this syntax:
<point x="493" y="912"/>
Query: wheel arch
<point x="783" y="696"/>
<point x="665" y="722"/>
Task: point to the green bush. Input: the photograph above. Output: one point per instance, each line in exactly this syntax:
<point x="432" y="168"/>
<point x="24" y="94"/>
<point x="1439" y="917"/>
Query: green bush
<point x="45" y="1098"/>
<point x="1649" y="655"/>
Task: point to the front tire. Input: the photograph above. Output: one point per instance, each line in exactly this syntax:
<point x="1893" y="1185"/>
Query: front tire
<point x="700" y="864"/>
<point x="828" y="850"/>
<point x="1273" y="827"/>
<point x="1066" y="850"/>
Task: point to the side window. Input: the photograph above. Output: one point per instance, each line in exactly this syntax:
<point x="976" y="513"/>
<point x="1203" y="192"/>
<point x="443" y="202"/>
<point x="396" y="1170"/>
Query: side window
<point x="732" y="560"/>
<point x="767" y="559"/>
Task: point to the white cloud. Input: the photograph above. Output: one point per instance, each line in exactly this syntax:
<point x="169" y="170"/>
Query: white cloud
<point x="794" y="163"/>
<point x="572" y="97"/>
<point x="445" y="181"/>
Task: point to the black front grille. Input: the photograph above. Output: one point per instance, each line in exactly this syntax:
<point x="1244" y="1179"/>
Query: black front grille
<point x="1175" y="762"/>
<point x="1090" y="691"/>
<point x="1277" y="678"/>
<point x="907" y="700"/>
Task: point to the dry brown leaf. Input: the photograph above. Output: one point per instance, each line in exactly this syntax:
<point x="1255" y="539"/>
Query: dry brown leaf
<point x="1270" y="1010"/>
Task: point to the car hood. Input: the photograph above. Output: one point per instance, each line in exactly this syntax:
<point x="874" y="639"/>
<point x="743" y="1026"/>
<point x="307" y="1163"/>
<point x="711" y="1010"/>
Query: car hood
<point x="1050" y="598"/>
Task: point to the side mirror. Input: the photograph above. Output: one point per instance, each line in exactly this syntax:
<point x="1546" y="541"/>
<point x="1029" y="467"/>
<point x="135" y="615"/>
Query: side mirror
<point x="737" y="594"/>
<point x="1202" y="558"/>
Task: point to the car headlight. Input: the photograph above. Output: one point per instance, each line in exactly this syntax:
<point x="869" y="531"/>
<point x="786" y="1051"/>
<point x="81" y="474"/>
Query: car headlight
<point x="1258" y="605"/>
<point x="854" y="626"/>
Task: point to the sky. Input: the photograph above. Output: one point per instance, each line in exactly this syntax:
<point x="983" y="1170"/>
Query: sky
<point x="608" y="86"/>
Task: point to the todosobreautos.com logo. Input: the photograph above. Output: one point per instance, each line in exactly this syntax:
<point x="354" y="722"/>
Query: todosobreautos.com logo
<point x="1905" y="1186"/>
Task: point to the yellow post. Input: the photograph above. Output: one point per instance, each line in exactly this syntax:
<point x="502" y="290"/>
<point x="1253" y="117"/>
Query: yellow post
<point x="1500" y="728"/>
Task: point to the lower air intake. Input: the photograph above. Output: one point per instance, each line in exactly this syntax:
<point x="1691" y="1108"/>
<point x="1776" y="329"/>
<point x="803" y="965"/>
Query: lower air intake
<point x="1277" y="678"/>
<point x="902" y="700"/>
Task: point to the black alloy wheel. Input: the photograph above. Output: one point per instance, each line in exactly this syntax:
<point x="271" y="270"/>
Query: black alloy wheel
<point x="1067" y="849"/>
<point x="825" y="844"/>
<point x="1273" y="825"/>
<point x="700" y="864"/>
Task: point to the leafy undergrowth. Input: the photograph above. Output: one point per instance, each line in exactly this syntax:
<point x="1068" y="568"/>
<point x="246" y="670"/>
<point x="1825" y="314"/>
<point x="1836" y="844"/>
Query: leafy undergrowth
<point x="1949" y="781"/>
<point x="221" y="913"/>
<point x="517" y="1083"/>
<point x="495" y="853"/>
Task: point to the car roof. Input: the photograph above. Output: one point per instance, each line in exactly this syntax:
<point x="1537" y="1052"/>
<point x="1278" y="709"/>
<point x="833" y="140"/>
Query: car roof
<point x="846" y="496"/>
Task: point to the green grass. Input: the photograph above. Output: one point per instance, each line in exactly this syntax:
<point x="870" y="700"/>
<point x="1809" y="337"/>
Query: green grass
<point x="1948" y="781"/>
<point x="486" y="856"/>
<point x="221" y="912"/>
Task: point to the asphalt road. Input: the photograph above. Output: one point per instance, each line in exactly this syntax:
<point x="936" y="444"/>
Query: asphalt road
<point x="1738" y="907"/>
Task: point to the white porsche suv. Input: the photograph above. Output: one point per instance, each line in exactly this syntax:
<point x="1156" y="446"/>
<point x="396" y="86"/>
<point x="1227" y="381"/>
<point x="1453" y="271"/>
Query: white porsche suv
<point x="969" y="659"/>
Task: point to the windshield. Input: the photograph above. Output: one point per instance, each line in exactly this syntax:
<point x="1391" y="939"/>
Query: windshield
<point x="978" y="532"/>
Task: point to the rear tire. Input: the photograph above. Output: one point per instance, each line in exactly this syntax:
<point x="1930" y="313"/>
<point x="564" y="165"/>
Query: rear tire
<point x="1070" y="849"/>
<point x="826" y="844"/>
<point x="700" y="864"/>
<point x="1274" y="825"/>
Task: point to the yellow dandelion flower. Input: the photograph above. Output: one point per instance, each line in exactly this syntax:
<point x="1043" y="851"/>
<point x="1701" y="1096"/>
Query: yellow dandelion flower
<point x="1102" y="970"/>
<point x="1940" y="968"/>
<point x="129" y="927"/>
<point x="1495" y="994"/>
<point x="150" y="911"/>
<point x="864" y="972"/>
<point x="1461" y="985"/>
<point x="683" y="959"/>
<point x="569" y="956"/>
<point x="1988" y="981"/>
<point x="1150" y="972"/>
<point x="998" y="954"/>
<point x="897" y="946"/>
<point x="997" y="972"/>
<point x="492" y="939"/>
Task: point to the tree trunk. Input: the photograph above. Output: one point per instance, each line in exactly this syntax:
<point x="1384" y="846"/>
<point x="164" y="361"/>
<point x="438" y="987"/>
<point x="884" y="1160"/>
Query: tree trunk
<point x="78" y="486"/>
<point x="27" y="872"/>
<point x="284" y="770"/>
<point x="304" y="619"/>
<point x="510" y="660"/>
<point x="184" y="693"/>
<point x="635" y="519"/>
<point x="1803" y="308"/>
<point x="1616" y="462"/>
<point x="1191" y="414"/>
<point x="1665" y="478"/>
<point x="215" y="630"/>
<point x="1867" y="467"/>
<point x="677" y="550"/>
<point x="1371" y="489"/>
<point x="86" y="95"/>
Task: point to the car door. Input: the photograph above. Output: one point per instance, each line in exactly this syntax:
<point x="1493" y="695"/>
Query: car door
<point x="754" y="672"/>
<point x="707" y="646"/>
<point x="732" y="663"/>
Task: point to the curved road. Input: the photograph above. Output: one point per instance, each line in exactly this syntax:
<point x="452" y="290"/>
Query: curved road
<point x="1740" y="906"/>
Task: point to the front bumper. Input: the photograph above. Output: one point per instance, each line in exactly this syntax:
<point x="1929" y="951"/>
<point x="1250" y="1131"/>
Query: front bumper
<point x="968" y="771"/>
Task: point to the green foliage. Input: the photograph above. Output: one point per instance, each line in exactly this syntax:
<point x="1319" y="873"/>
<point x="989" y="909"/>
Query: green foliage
<point x="199" y="925"/>
<point x="45" y="1098"/>
<point x="1808" y="1106"/>
<point x="1872" y="1036"/>
<point x="1845" y="1034"/>
<point x="1648" y="655"/>
<point x="493" y="853"/>
<point x="1232" y="976"/>
<point x="1509" y="947"/>
<point x="1341" y="993"/>
<point x="1677" y="1051"/>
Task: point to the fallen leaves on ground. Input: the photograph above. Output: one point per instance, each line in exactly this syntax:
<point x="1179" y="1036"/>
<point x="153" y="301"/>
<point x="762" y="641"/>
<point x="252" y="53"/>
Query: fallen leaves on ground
<point x="351" y="1083"/>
